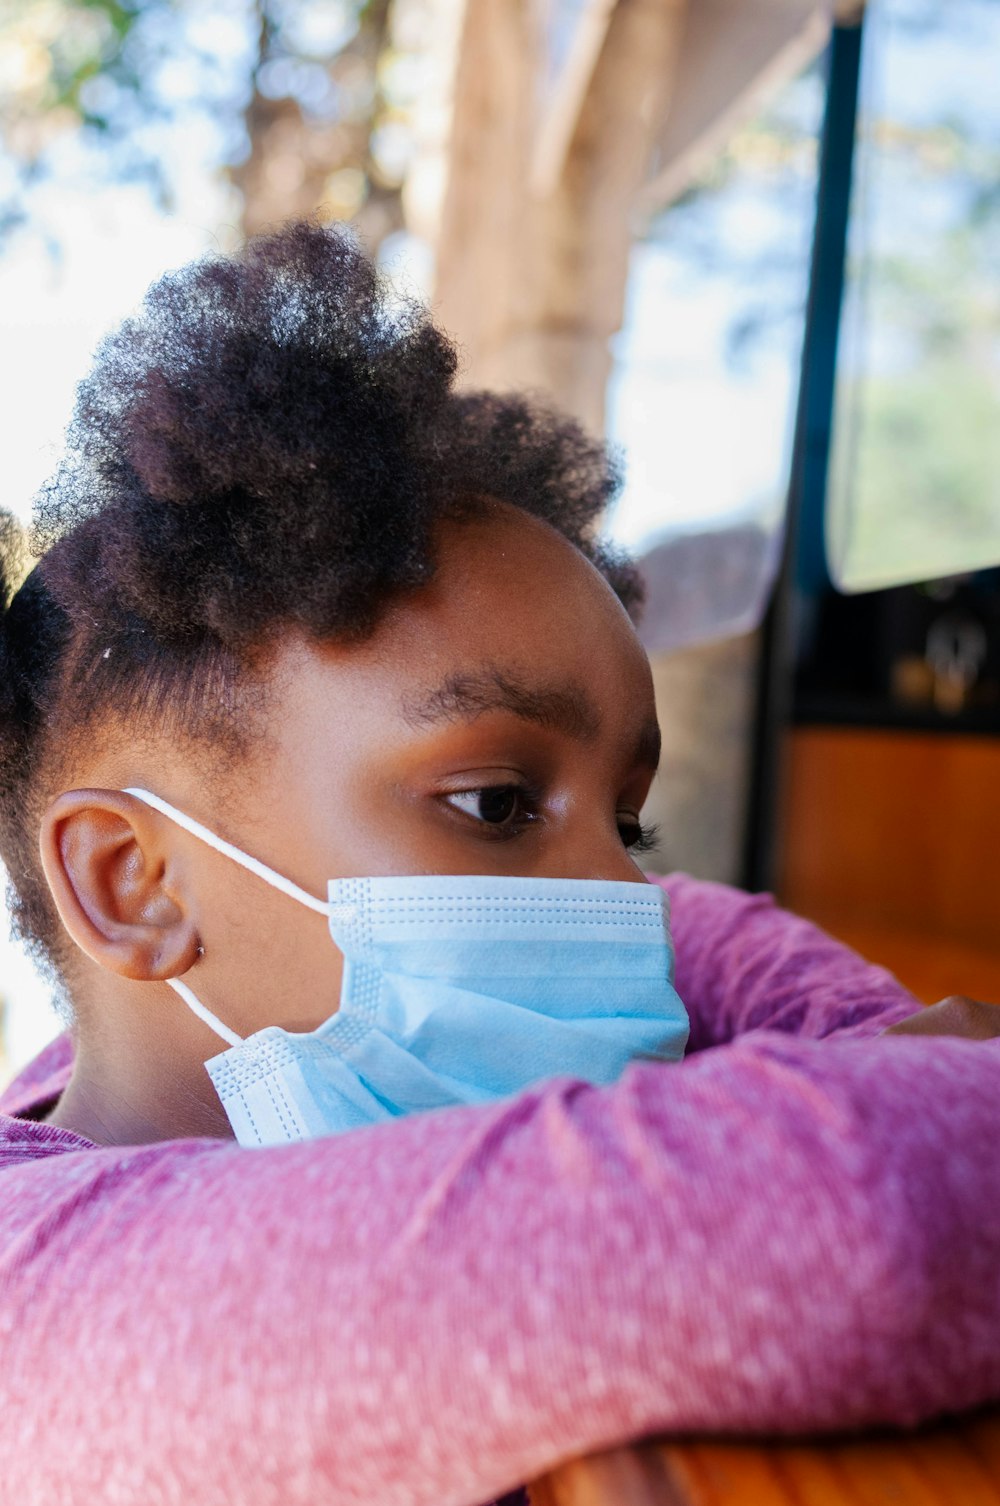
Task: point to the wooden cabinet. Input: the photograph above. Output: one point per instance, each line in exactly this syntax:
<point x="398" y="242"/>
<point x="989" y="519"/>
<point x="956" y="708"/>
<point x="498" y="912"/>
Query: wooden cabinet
<point x="891" y="840"/>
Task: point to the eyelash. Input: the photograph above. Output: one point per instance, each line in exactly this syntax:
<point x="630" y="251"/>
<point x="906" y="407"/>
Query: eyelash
<point x="644" y="840"/>
<point x="647" y="838"/>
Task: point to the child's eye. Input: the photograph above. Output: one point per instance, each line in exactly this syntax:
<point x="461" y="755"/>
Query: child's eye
<point x="635" y="836"/>
<point x="504" y="806"/>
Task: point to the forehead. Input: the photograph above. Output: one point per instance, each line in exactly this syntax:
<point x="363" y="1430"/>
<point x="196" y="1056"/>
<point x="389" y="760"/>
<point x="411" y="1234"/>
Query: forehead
<point x="510" y="600"/>
<point x="509" y="587"/>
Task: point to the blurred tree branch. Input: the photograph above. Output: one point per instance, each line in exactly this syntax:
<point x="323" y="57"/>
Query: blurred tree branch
<point x="299" y="101"/>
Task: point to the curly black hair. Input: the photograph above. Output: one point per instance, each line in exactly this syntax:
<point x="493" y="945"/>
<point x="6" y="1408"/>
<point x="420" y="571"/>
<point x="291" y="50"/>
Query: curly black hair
<point x="266" y="446"/>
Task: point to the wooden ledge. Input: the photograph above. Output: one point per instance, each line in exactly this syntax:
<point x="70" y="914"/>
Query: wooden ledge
<point x="955" y="1463"/>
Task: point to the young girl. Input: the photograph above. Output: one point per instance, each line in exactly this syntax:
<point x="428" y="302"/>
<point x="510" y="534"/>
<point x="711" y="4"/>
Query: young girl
<point x="325" y="734"/>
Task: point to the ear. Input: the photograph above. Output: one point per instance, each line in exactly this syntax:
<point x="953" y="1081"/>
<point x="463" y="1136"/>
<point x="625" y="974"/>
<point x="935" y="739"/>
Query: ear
<point x="107" y="861"/>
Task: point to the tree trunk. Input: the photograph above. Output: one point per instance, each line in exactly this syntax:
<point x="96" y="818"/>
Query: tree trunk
<point x="532" y="281"/>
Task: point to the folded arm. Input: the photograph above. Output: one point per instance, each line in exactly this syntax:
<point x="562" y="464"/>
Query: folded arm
<point x="744" y="964"/>
<point x="778" y="1235"/>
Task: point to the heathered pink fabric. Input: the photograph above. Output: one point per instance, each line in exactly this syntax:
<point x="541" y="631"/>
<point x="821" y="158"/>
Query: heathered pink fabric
<point x="782" y="1233"/>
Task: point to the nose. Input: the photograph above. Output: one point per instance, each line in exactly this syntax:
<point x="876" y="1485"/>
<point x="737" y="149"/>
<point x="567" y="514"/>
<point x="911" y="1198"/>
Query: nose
<point x="596" y="854"/>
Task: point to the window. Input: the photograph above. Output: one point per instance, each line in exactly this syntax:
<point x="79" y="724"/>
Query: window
<point x="915" y="465"/>
<point x="707" y="369"/>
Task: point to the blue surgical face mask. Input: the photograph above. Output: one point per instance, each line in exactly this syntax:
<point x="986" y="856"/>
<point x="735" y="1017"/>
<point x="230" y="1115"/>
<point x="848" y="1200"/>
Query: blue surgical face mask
<point x="455" y="990"/>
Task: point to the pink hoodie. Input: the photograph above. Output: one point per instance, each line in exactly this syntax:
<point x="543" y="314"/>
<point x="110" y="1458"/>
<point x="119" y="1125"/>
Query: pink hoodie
<point x="783" y="1233"/>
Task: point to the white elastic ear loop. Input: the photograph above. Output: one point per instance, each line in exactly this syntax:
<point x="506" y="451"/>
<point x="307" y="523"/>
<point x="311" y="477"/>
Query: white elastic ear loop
<point x="197" y="1007"/>
<point x="276" y="880"/>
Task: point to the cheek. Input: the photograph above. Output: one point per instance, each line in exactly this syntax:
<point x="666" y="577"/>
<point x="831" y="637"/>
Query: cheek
<point x="311" y="972"/>
<point x="272" y="962"/>
<point x="391" y="834"/>
<point x="332" y="804"/>
<point x="365" y="827"/>
<point x="364" y="809"/>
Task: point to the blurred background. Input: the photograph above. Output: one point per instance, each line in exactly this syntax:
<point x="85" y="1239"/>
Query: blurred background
<point x="756" y="241"/>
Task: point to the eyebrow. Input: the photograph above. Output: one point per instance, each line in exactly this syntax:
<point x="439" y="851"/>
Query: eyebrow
<point x="564" y="706"/>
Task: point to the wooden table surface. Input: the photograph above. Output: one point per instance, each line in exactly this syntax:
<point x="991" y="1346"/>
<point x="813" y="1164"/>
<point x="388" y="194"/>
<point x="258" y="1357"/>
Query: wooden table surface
<point x="956" y="1463"/>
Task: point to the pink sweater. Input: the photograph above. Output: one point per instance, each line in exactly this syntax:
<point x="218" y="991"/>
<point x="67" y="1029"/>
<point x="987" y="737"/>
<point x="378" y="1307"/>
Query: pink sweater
<point x="783" y="1233"/>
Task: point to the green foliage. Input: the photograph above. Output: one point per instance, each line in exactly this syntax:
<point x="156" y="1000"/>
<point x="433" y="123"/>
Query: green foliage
<point x="924" y="476"/>
<point x="53" y="53"/>
<point x="91" y="44"/>
<point x="101" y="85"/>
<point x="86" y="73"/>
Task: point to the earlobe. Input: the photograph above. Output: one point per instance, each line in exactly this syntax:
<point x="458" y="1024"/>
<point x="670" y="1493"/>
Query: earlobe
<point x="107" y="868"/>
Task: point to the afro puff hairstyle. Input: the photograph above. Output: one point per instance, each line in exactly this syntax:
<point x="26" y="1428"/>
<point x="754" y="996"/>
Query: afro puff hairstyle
<point x="266" y="446"/>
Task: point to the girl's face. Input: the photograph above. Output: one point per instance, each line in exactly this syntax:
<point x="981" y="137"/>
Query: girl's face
<point x="499" y="721"/>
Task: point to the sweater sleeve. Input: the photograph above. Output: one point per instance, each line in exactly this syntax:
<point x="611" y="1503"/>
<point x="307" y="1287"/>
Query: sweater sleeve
<point x="744" y="964"/>
<point x="775" y="1236"/>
